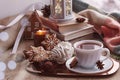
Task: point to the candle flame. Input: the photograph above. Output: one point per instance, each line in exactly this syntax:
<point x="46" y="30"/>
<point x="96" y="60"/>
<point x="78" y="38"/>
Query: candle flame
<point x="41" y="32"/>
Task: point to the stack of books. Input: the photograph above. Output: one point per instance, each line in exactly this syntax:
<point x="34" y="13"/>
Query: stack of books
<point x="72" y="29"/>
<point x="69" y="30"/>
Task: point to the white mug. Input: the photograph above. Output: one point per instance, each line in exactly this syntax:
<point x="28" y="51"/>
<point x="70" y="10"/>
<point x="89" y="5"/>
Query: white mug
<point x="88" y="52"/>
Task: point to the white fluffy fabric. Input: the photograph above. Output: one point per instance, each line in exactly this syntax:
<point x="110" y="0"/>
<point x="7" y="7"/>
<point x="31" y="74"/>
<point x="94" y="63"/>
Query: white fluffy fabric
<point x="106" y="5"/>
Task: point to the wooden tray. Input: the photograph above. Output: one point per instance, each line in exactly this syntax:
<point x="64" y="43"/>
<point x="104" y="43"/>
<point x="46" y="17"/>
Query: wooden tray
<point x="63" y="71"/>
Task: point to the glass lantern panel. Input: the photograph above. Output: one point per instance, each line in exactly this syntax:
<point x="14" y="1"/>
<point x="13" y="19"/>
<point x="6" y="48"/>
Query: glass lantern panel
<point x="58" y="8"/>
<point x="68" y="7"/>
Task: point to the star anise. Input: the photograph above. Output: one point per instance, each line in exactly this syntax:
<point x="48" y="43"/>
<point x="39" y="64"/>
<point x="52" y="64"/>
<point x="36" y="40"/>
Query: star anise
<point x="80" y="20"/>
<point x="100" y="65"/>
<point x="46" y="11"/>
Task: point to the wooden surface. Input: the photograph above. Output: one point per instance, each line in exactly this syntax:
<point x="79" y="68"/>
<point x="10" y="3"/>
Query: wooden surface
<point x="21" y="74"/>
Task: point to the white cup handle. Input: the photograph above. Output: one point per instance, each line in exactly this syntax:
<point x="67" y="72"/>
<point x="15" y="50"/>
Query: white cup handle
<point x="107" y="53"/>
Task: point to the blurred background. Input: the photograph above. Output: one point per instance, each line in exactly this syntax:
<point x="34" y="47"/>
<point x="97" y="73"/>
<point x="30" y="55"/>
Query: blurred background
<point x="11" y="7"/>
<point x="105" y="5"/>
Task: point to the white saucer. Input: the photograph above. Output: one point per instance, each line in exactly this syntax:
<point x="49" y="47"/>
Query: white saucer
<point x="108" y="64"/>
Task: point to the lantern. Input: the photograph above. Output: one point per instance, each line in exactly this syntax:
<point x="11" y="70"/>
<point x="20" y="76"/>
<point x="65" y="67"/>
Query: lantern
<point x="61" y="10"/>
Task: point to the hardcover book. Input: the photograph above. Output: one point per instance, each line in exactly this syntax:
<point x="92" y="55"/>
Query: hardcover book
<point x="75" y="34"/>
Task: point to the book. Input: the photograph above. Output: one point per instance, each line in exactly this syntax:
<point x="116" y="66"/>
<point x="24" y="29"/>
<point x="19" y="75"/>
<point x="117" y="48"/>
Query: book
<point x="86" y="37"/>
<point x="72" y="25"/>
<point x="75" y="34"/>
<point x="71" y="28"/>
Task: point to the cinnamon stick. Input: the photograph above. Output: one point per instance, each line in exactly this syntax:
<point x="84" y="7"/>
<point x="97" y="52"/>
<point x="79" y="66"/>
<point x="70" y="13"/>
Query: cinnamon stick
<point x="73" y="63"/>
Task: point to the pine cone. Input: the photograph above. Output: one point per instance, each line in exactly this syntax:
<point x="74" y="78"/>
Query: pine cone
<point x="46" y="11"/>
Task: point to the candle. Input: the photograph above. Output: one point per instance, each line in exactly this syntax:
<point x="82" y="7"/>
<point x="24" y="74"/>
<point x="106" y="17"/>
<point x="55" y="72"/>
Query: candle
<point x="41" y="32"/>
<point x="39" y="36"/>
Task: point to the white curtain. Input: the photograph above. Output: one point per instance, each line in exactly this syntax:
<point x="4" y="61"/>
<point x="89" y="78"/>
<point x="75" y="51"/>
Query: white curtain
<point x="11" y="7"/>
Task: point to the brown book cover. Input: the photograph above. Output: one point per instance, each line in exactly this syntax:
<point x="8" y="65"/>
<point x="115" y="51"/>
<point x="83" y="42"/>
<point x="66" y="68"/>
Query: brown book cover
<point x="47" y="22"/>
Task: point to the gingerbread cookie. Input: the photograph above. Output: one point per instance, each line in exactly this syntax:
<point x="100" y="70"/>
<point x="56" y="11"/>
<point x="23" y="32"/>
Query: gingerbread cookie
<point x="37" y="54"/>
<point x="50" y="41"/>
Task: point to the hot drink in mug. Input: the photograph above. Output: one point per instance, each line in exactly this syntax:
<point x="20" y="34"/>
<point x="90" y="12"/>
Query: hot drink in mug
<point x="88" y="52"/>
